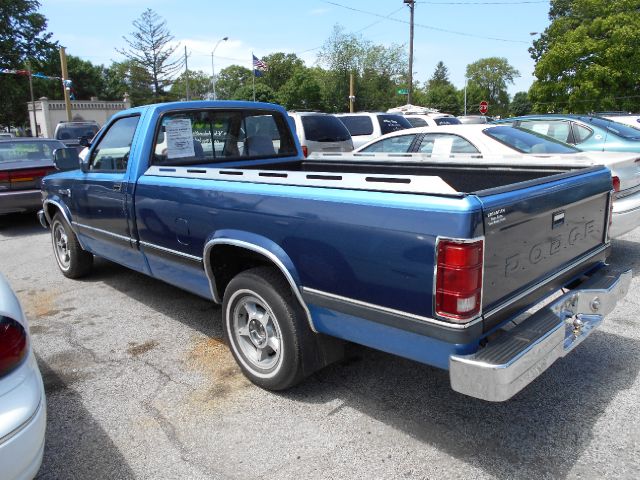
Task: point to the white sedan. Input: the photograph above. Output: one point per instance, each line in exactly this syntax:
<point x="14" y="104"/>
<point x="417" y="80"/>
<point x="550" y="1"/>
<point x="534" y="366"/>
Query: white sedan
<point x="22" y="402"/>
<point x="499" y="144"/>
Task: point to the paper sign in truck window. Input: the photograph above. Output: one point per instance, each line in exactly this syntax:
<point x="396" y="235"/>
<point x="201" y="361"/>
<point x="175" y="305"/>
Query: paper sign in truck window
<point x="179" y="138"/>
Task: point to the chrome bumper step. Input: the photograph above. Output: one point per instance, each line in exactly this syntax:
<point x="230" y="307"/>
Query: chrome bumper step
<point x="512" y="361"/>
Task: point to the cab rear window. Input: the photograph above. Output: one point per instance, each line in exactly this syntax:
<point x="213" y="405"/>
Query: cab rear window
<point x="213" y="136"/>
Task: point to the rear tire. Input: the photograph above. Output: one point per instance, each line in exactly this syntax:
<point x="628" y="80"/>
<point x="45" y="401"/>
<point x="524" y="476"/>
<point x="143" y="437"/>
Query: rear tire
<point x="263" y="325"/>
<point x="73" y="261"/>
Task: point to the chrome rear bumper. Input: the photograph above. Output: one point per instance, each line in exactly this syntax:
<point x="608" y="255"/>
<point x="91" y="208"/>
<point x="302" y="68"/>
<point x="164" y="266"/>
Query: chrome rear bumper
<point x="512" y="361"/>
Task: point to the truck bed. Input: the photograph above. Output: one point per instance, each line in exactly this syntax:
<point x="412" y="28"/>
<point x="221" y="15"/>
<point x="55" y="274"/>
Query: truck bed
<point x="401" y="177"/>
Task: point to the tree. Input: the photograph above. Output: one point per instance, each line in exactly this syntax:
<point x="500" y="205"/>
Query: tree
<point x="520" y="105"/>
<point x="199" y="85"/>
<point x="88" y="79"/>
<point x="23" y="38"/>
<point x="487" y="80"/>
<point x="440" y="92"/>
<point x="128" y="78"/>
<point x="264" y="93"/>
<point x="230" y="80"/>
<point x="282" y="66"/>
<point x="378" y="71"/>
<point x="301" y="92"/>
<point x="589" y="57"/>
<point x="440" y="76"/>
<point x="149" y="47"/>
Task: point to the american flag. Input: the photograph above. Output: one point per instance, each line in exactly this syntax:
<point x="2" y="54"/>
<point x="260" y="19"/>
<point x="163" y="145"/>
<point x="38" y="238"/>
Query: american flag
<point x="259" y="64"/>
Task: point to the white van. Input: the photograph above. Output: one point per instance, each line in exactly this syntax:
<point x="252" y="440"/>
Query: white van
<point x="320" y="132"/>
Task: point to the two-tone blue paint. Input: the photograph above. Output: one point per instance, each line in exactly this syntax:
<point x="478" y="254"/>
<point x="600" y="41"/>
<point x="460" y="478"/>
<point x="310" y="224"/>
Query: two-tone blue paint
<point x="372" y="247"/>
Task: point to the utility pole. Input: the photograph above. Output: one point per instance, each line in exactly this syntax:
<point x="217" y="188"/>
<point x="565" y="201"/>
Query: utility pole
<point x="65" y="77"/>
<point x="352" y="97"/>
<point x="412" y="5"/>
<point x="34" y="131"/>
<point x="186" y="72"/>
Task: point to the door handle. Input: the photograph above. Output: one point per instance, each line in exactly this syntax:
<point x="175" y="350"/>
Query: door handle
<point x="117" y="187"/>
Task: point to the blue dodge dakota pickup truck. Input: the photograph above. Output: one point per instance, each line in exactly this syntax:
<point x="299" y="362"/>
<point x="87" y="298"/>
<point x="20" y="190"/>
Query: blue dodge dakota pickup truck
<point x="491" y="273"/>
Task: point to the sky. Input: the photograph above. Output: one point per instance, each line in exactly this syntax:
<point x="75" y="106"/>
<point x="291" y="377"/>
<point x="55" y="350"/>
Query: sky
<point x="458" y="32"/>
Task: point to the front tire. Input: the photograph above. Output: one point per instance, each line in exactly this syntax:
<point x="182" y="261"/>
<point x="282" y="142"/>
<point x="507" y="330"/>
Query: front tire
<point x="73" y="261"/>
<point x="263" y="325"/>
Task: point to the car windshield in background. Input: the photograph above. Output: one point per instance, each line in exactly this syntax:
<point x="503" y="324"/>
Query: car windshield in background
<point x="72" y="133"/>
<point x="22" y="151"/>
<point x="447" y="121"/>
<point x="357" y="125"/>
<point x="324" y="128"/>
<point x="392" y="123"/>
<point x="526" y="141"/>
<point x="619" y="129"/>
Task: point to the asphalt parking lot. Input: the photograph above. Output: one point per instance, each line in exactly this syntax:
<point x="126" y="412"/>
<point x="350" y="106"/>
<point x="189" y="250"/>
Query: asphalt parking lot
<point x="140" y="385"/>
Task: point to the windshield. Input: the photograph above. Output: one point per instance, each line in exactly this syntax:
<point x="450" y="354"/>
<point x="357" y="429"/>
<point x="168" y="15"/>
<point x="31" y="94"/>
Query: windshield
<point x="616" y="128"/>
<point x="22" y="151"/>
<point x="75" y="132"/>
<point x="324" y="128"/>
<point x="526" y="141"/>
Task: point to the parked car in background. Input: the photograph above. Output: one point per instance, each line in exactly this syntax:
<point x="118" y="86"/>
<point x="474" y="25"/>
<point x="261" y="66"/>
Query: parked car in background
<point x="72" y="133"/>
<point x="23" y="409"/>
<point x="320" y="132"/>
<point x="625" y="118"/>
<point x="365" y="126"/>
<point x="467" y="139"/>
<point x="23" y="163"/>
<point x="417" y="120"/>
<point x="6" y="135"/>
<point x="588" y="132"/>
<point x="487" y="141"/>
<point x="475" y="119"/>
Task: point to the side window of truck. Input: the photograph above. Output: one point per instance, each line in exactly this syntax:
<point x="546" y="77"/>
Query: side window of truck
<point x="213" y="136"/>
<point x="111" y="154"/>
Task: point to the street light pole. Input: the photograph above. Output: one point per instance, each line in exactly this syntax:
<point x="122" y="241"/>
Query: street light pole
<point x="213" y="68"/>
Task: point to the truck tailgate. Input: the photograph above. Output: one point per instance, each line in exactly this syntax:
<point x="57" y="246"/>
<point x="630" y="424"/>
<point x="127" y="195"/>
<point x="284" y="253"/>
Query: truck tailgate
<point x="537" y="231"/>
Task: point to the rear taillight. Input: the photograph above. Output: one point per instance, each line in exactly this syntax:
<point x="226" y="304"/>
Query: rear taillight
<point x="616" y="184"/>
<point x="29" y="174"/>
<point x="458" y="291"/>
<point x="13" y="344"/>
<point x="4" y="176"/>
<point x="305" y="151"/>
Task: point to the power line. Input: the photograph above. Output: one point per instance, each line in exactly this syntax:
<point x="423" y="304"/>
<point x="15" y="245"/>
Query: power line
<point x="523" y="2"/>
<point x="428" y="27"/>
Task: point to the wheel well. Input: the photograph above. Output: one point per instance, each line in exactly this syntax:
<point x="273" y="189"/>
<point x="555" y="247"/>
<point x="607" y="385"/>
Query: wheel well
<point x="51" y="210"/>
<point x="230" y="261"/>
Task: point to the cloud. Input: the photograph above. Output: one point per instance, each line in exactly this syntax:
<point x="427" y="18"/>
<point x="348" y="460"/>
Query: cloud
<point x="319" y="11"/>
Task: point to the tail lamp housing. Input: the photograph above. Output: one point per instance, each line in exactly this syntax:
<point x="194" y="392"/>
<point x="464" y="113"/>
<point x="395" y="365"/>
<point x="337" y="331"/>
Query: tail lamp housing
<point x="616" y="183"/>
<point x="458" y="279"/>
<point x="305" y="151"/>
<point x="13" y="345"/>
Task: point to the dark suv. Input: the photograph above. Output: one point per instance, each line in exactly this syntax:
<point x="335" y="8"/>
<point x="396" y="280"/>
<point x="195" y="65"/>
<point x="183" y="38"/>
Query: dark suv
<point x="70" y="133"/>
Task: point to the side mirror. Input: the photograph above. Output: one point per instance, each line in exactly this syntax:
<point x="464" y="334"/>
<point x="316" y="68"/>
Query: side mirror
<point x="66" y="159"/>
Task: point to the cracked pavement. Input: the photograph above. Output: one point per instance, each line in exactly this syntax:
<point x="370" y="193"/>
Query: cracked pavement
<point x="140" y="385"/>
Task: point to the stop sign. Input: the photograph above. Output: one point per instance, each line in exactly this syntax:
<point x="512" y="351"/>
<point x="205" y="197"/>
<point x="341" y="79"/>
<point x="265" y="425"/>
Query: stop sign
<point x="484" y="107"/>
